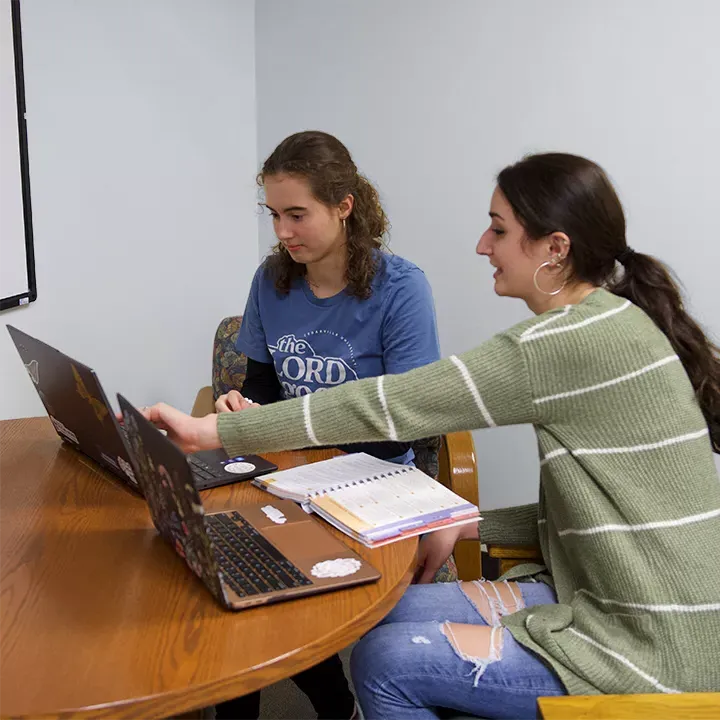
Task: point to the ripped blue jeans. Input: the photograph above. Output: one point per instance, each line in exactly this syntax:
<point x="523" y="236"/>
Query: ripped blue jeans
<point x="407" y="666"/>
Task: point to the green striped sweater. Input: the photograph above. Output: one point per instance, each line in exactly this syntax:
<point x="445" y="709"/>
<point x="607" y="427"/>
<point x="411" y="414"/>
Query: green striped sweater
<point x="629" y="509"/>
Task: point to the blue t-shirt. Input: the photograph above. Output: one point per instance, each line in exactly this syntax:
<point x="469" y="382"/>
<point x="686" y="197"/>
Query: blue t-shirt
<point x="319" y="343"/>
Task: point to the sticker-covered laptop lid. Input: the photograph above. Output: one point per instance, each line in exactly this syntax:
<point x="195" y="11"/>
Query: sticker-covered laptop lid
<point x="175" y="506"/>
<point x="75" y="403"/>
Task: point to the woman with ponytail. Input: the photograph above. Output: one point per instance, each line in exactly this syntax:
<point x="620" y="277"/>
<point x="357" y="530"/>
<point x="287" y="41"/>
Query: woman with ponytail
<point x="622" y="388"/>
<point x="557" y="192"/>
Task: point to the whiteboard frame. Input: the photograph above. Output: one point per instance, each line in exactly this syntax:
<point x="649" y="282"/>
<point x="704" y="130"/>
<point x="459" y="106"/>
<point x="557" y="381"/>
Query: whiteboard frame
<point x="31" y="294"/>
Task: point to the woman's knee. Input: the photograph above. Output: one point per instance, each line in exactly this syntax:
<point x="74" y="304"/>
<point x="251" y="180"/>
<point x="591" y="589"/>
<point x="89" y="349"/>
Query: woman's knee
<point x="370" y="655"/>
<point x="377" y="656"/>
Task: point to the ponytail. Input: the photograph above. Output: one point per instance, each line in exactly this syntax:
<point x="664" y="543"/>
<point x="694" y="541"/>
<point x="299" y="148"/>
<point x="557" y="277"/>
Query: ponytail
<point x="647" y="283"/>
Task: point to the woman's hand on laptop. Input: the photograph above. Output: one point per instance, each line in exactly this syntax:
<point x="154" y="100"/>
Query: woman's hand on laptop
<point x="189" y="433"/>
<point x="232" y="402"/>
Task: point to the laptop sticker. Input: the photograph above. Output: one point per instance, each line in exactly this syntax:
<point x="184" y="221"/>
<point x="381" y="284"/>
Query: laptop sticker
<point x="277" y="516"/>
<point x="239" y="468"/>
<point x="108" y="459"/>
<point x="176" y="527"/>
<point x="97" y="405"/>
<point x="342" y="567"/>
<point x="127" y="469"/>
<point x="33" y="370"/>
<point x="65" y="432"/>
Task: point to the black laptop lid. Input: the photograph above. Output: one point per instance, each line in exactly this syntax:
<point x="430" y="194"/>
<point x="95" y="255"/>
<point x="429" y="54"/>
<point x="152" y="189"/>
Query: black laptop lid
<point x="175" y="507"/>
<point x="75" y="402"/>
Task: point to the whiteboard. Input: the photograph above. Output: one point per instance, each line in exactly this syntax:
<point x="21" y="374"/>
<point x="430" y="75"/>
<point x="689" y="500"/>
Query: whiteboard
<point x="17" y="261"/>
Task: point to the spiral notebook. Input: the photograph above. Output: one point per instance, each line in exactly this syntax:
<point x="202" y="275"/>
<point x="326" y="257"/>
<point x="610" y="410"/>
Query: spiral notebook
<point x="373" y="501"/>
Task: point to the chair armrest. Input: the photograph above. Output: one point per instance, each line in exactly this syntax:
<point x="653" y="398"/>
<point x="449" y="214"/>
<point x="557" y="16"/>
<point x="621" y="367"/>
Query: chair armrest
<point x="509" y="556"/>
<point x="690" y="706"/>
<point x="458" y="471"/>
<point x="458" y="467"/>
<point x="519" y="552"/>
<point x="204" y="402"/>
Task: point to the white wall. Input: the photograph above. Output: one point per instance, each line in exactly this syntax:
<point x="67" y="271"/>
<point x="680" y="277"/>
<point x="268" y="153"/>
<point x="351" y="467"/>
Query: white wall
<point x="433" y="98"/>
<point x="142" y="138"/>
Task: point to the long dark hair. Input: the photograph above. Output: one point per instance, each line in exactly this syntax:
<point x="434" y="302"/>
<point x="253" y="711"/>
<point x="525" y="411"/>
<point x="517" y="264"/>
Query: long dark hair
<point x="325" y="163"/>
<point x="557" y="192"/>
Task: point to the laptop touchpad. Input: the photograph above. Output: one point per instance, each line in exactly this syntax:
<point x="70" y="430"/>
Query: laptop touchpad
<point x="304" y="539"/>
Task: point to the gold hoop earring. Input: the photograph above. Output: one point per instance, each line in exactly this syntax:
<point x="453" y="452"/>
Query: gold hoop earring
<point x="344" y="226"/>
<point x="535" y="282"/>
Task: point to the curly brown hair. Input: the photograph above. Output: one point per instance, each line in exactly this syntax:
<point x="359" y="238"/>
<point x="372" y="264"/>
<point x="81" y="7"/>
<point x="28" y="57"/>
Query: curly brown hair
<point x="326" y="164"/>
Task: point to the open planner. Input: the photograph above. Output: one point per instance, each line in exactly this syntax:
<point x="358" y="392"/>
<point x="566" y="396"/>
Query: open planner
<point x="373" y="501"/>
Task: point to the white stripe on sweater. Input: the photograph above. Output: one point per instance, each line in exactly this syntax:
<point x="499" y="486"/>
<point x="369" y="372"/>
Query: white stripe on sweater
<point x="657" y="525"/>
<point x="670" y="608"/>
<point x="473" y="389"/>
<point x="609" y="383"/>
<point x="642" y="448"/>
<point x="527" y="336"/>
<point x="392" y="433"/>
<point x="628" y="449"/>
<point x="547" y="321"/>
<point x="308" y="422"/>
<point x="553" y="454"/>
<point x="621" y="658"/>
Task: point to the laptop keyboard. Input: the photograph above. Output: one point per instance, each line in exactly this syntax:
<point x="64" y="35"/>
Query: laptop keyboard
<point x="201" y="470"/>
<point x="250" y="564"/>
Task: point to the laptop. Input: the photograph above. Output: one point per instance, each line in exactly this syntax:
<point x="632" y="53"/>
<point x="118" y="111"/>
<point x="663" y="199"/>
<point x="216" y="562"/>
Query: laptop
<point x="256" y="554"/>
<point x="83" y="418"/>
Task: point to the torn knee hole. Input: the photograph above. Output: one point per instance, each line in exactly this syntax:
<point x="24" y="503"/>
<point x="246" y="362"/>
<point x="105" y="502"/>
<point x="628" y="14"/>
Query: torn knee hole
<point x="493" y="600"/>
<point x="474" y="641"/>
<point x="481" y="601"/>
<point x="479" y="645"/>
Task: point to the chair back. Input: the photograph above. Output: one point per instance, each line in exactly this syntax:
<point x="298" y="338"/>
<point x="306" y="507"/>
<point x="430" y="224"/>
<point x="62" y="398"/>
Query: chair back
<point x="229" y="366"/>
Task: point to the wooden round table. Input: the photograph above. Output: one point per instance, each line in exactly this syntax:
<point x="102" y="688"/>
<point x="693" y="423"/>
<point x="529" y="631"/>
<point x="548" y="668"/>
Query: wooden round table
<point x="100" y="618"/>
